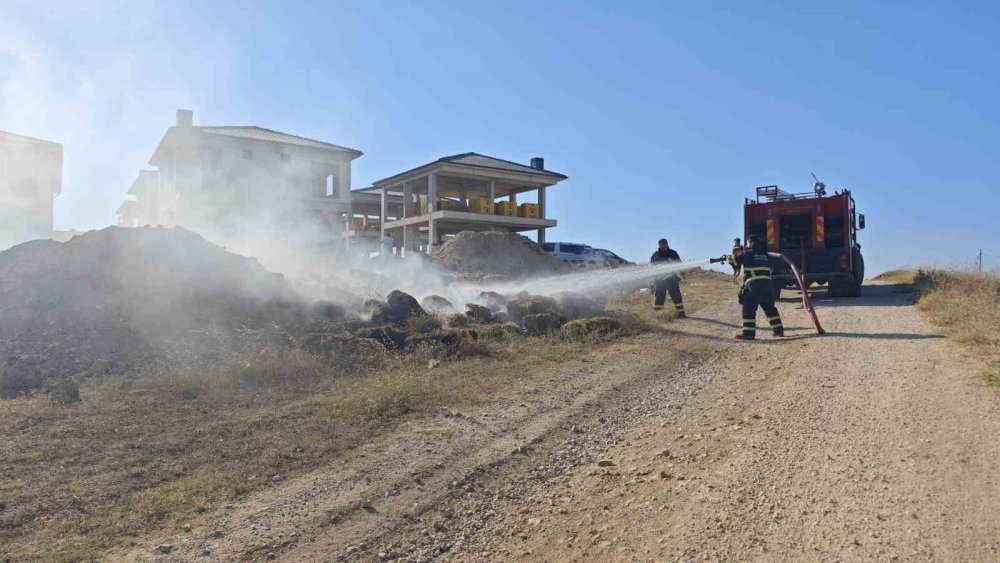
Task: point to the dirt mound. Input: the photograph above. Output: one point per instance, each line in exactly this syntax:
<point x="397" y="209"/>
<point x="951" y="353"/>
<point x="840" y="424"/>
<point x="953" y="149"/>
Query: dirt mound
<point x="117" y="298"/>
<point x="505" y="254"/>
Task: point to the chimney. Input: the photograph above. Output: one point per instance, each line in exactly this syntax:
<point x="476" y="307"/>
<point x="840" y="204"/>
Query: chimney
<point x="538" y="163"/>
<point x="185" y="118"/>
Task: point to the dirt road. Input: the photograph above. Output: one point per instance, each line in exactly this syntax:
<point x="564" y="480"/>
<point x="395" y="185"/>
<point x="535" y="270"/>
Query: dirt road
<point x="877" y="441"/>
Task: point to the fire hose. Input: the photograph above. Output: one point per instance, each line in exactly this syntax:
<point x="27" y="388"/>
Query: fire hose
<point x="806" y="303"/>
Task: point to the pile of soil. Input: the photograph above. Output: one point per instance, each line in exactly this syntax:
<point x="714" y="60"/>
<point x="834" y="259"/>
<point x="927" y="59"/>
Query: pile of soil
<point x="505" y="254"/>
<point x="117" y="299"/>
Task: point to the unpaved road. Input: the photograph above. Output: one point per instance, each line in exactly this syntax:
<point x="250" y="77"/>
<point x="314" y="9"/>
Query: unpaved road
<point x="878" y="441"/>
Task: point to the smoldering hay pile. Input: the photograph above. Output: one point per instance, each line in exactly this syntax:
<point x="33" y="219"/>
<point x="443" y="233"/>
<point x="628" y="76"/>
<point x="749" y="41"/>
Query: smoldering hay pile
<point x="113" y="299"/>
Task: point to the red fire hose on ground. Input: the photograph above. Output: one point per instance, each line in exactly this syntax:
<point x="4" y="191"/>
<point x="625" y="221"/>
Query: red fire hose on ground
<point x="806" y="303"/>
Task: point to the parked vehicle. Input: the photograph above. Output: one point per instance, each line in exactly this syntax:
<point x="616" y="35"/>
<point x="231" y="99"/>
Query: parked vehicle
<point x="607" y="258"/>
<point x="571" y="252"/>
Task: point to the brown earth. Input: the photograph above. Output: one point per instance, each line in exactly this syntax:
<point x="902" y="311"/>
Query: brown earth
<point x="125" y="298"/>
<point x="875" y="442"/>
<point x="505" y="254"/>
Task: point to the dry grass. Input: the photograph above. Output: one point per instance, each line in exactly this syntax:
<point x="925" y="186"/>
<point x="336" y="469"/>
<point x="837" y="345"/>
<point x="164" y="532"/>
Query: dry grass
<point x="967" y="307"/>
<point x="157" y="451"/>
<point x="906" y="277"/>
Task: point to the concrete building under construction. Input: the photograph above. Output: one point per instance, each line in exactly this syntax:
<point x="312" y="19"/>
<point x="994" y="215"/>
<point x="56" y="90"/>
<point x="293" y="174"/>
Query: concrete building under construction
<point x="30" y="180"/>
<point x="464" y="192"/>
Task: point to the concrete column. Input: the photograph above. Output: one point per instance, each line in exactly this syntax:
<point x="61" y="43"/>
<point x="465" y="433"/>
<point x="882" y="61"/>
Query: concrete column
<point x="512" y="198"/>
<point x="344" y="180"/>
<point x="432" y="192"/>
<point x="492" y="193"/>
<point x="407" y="200"/>
<point x="541" y="202"/>
<point x="432" y="234"/>
<point x="384" y="212"/>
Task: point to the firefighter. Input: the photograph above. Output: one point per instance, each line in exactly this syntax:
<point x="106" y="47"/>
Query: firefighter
<point x="670" y="284"/>
<point x="737" y="250"/>
<point x="757" y="290"/>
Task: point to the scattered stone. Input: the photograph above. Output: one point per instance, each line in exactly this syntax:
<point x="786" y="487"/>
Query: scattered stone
<point x="165" y="548"/>
<point x="605" y="463"/>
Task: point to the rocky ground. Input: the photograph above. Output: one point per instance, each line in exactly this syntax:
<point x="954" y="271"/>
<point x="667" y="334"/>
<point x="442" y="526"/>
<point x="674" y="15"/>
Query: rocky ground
<point x="876" y="441"/>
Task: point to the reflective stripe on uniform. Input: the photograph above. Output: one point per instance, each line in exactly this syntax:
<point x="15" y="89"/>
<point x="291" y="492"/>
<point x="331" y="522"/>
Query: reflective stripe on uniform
<point x="759" y="273"/>
<point x="774" y="318"/>
<point x="749" y="323"/>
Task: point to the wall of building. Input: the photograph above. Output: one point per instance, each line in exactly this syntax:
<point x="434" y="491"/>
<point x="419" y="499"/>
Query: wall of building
<point x="30" y="179"/>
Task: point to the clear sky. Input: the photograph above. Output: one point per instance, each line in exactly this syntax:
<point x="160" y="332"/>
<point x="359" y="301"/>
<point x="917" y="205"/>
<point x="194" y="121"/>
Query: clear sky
<point x="664" y="115"/>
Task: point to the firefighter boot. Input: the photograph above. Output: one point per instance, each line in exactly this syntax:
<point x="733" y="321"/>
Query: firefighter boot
<point x="749" y="330"/>
<point x="776" y="327"/>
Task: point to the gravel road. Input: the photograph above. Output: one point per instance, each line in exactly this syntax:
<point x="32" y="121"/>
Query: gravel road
<point x="877" y="441"/>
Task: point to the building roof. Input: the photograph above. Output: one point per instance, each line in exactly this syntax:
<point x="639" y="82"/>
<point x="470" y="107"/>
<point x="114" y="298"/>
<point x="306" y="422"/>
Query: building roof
<point x="261" y="134"/>
<point x="483" y="161"/>
<point x="26" y="139"/>
<point x="251" y="132"/>
<point x="476" y="160"/>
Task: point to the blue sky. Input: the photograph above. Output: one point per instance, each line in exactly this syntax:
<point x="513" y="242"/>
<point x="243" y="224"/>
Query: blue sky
<point x="664" y="115"/>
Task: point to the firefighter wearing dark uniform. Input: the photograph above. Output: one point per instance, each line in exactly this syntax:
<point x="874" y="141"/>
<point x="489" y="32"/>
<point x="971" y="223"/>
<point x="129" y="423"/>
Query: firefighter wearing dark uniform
<point x="671" y="284"/>
<point x="758" y="290"/>
<point x="737" y="250"/>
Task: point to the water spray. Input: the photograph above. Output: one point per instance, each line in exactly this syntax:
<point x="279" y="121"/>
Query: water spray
<point x="596" y="282"/>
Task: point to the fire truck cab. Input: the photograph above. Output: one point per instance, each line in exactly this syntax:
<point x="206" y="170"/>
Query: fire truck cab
<point x="816" y="231"/>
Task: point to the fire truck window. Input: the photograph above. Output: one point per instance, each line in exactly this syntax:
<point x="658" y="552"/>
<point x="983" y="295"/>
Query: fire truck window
<point x="834" y="232"/>
<point x="758" y="228"/>
<point x="795" y="232"/>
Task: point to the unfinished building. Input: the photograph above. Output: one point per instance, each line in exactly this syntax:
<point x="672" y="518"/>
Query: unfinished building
<point x="238" y="182"/>
<point x="30" y="180"/>
<point x="464" y="192"/>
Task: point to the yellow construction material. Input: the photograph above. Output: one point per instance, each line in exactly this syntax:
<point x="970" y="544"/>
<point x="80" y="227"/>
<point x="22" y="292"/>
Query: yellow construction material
<point x="482" y="205"/>
<point x="506" y="208"/>
<point x="528" y="210"/>
<point x="449" y="205"/>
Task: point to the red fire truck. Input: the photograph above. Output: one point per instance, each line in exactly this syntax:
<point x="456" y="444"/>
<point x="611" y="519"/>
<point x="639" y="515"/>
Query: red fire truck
<point x="815" y="231"/>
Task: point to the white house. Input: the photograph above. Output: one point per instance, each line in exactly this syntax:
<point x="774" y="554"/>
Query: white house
<point x="234" y="182"/>
<point x="30" y="180"/>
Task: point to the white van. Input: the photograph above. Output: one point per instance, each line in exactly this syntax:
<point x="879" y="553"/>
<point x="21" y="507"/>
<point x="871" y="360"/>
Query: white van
<point x="572" y="252"/>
